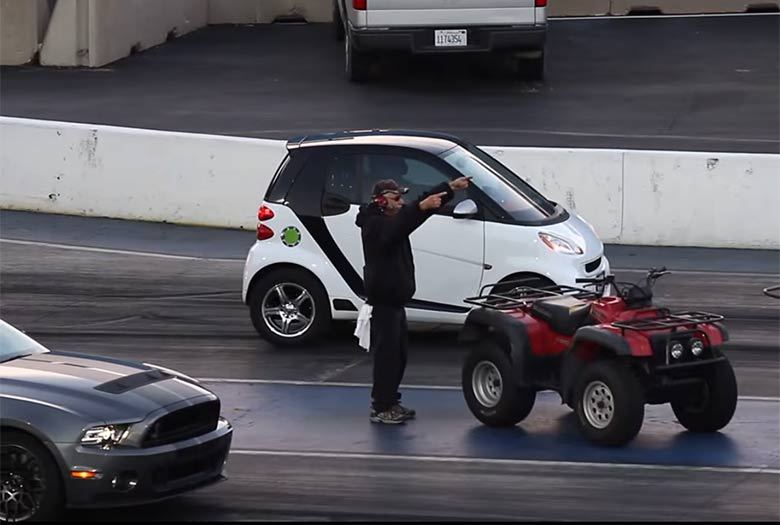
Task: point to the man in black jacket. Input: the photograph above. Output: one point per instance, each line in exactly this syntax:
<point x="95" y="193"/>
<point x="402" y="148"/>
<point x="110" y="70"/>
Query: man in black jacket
<point x="386" y="223"/>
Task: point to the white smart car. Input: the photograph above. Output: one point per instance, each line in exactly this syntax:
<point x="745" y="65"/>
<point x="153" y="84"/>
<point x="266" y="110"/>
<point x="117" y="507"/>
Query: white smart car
<point x="305" y="270"/>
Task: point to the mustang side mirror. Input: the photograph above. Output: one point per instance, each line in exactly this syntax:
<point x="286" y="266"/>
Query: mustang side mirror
<point x="465" y="209"/>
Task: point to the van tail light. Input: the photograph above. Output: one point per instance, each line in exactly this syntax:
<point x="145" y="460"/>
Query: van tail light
<point x="264" y="232"/>
<point x="541" y="3"/>
<point x="362" y="5"/>
<point x="265" y="213"/>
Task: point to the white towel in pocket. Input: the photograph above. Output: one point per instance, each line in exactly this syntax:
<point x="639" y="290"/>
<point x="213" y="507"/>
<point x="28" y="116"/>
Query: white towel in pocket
<point x="363" y="328"/>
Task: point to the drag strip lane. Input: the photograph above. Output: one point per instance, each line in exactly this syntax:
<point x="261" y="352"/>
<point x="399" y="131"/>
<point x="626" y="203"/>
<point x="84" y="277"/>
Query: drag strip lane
<point x="328" y="419"/>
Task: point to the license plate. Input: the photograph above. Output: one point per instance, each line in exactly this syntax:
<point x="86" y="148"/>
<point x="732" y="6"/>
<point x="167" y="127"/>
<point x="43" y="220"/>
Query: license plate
<point x="450" y="38"/>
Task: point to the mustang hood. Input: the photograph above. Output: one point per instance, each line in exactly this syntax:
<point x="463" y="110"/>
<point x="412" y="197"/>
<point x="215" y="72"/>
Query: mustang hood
<point x="96" y="387"/>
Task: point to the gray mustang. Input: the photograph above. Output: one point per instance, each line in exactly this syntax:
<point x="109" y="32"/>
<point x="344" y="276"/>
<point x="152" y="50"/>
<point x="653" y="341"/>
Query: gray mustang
<point x="86" y="431"/>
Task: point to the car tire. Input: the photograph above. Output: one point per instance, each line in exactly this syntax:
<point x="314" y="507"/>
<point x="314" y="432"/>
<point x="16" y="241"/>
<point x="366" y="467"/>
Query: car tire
<point x="490" y="391"/>
<point x="313" y="307"/>
<point x="609" y="402"/>
<point x="39" y="472"/>
<point x="357" y="64"/>
<point x="717" y="404"/>
<point x="531" y="68"/>
<point x="338" y="23"/>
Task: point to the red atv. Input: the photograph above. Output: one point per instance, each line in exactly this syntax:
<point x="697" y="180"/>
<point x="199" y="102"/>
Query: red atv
<point x="606" y="356"/>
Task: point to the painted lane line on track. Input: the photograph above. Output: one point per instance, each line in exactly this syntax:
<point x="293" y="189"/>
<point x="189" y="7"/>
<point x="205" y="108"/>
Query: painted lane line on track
<point x="115" y="251"/>
<point x="410" y="387"/>
<point x="507" y="462"/>
<point x="241" y="260"/>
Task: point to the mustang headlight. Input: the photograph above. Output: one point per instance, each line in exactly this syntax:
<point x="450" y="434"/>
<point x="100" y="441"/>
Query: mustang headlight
<point x="560" y="245"/>
<point x="105" y="436"/>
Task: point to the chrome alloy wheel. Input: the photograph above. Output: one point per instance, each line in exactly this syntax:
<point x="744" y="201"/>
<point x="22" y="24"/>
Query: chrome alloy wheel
<point x="288" y="310"/>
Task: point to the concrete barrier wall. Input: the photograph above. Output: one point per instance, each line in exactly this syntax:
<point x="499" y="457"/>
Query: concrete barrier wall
<point x="97" y="32"/>
<point x="18" y="31"/>
<point x="134" y="174"/>
<point x="119" y="26"/>
<point x="678" y="7"/>
<point x="266" y="11"/>
<point x="630" y="197"/>
<point x="701" y="199"/>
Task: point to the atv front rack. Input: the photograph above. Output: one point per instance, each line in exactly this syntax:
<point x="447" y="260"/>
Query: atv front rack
<point x="668" y="321"/>
<point x="524" y="296"/>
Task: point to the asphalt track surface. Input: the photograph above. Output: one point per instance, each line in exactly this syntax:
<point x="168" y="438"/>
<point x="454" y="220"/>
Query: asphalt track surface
<point x="707" y="84"/>
<point x="304" y="448"/>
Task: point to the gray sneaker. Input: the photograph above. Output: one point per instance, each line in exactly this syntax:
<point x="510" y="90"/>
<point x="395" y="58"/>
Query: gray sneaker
<point x="409" y="412"/>
<point x="392" y="416"/>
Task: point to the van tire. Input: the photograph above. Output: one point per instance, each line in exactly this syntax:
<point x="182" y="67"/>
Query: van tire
<point x="338" y="23"/>
<point x="357" y="64"/>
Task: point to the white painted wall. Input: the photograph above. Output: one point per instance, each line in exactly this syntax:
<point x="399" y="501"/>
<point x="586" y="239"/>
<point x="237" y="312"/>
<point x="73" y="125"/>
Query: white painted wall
<point x="630" y="197"/>
<point x="702" y="199"/>
<point x="116" y="26"/>
<point x="676" y="7"/>
<point x="18" y="31"/>
<point x="134" y="174"/>
<point x="265" y="11"/>
<point x="97" y="32"/>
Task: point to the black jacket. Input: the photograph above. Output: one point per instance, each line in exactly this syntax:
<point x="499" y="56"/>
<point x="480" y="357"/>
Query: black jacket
<point x="388" y="273"/>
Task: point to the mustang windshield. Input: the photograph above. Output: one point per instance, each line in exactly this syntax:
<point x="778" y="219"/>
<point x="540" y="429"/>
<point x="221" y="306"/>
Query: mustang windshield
<point x="14" y="343"/>
<point x="515" y="196"/>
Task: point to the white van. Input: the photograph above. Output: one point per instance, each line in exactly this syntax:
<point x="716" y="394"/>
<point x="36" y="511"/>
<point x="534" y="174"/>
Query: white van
<point x="516" y="28"/>
<point x="306" y="266"/>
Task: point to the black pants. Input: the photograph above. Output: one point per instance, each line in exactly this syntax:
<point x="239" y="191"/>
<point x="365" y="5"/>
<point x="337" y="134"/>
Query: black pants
<point x="389" y="343"/>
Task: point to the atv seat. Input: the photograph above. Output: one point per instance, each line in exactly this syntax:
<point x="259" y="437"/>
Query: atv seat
<point x="564" y="314"/>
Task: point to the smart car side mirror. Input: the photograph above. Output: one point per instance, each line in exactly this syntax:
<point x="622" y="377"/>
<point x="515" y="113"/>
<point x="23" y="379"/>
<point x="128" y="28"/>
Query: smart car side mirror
<point x="465" y="209"/>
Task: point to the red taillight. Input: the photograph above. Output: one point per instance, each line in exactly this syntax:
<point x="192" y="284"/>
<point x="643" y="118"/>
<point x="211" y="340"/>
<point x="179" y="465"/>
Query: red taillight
<point x="541" y="3"/>
<point x="361" y="5"/>
<point x="264" y="232"/>
<point x="265" y="213"/>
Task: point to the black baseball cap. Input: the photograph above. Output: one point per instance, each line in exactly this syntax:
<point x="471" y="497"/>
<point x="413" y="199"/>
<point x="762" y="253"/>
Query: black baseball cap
<point x="386" y="185"/>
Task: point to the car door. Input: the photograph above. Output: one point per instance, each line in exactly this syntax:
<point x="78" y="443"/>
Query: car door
<point x="448" y="252"/>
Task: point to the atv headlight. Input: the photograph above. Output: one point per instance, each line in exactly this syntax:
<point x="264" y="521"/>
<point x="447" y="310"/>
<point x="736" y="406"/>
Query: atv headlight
<point x="105" y="436"/>
<point x="697" y="347"/>
<point x="677" y="350"/>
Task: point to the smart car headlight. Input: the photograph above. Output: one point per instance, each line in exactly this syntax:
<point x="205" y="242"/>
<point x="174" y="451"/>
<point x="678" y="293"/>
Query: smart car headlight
<point x="105" y="436"/>
<point x="560" y="245"/>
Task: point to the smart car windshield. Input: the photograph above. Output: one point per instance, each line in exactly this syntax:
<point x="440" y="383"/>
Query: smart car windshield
<point x="14" y="343"/>
<point x="515" y="197"/>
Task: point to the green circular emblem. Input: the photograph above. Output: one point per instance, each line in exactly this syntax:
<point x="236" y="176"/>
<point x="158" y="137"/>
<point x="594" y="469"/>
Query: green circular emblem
<point x="291" y="236"/>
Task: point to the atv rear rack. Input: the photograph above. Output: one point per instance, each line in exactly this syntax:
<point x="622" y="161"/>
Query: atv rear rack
<point x="668" y="321"/>
<point x="524" y="296"/>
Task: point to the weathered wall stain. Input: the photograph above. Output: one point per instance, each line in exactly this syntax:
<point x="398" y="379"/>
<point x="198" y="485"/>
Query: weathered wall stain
<point x="88" y="149"/>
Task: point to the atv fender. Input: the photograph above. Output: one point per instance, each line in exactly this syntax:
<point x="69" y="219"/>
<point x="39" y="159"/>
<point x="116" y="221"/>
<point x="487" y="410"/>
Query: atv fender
<point x="574" y="361"/>
<point x="483" y="322"/>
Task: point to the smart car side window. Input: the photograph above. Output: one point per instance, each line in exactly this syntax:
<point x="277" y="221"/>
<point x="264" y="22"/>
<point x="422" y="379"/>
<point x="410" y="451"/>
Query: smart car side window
<point x="341" y="187"/>
<point x="413" y="173"/>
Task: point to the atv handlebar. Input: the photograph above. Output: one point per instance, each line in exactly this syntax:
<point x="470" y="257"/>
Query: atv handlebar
<point x="632" y="293"/>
